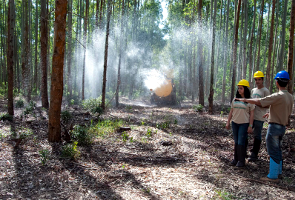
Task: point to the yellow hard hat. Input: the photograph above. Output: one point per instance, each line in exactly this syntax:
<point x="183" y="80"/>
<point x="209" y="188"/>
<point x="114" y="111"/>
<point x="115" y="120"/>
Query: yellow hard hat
<point x="258" y="74"/>
<point x="244" y="82"/>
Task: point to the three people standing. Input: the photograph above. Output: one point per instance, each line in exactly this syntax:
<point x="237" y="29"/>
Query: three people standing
<point x="280" y="108"/>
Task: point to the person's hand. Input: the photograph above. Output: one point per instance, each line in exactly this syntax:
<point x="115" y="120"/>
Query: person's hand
<point x="266" y="115"/>
<point x="227" y="126"/>
<point x="250" y="130"/>
<point x="241" y="99"/>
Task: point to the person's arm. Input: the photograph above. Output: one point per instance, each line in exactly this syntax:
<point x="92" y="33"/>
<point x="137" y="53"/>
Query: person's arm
<point x="230" y="115"/>
<point x="252" y="101"/>
<point x="250" y="128"/>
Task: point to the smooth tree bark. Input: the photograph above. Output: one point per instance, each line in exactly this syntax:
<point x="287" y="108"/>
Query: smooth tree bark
<point x="251" y="64"/>
<point x="276" y="49"/>
<point x="85" y="47"/>
<point x="105" y="66"/>
<point x="36" y="49"/>
<point x="56" y="92"/>
<point x="245" y="39"/>
<point x="283" y="38"/>
<point x="233" y="88"/>
<point x="210" y="99"/>
<point x="44" y="57"/>
<point x="200" y="53"/>
<point x="26" y="70"/>
<point x="225" y="55"/>
<point x="70" y="49"/>
<point x="267" y="81"/>
<point x="266" y="41"/>
<point x="290" y="51"/>
<point x="260" y="33"/>
<point x="120" y="54"/>
<point x="10" y="54"/>
<point x="96" y="13"/>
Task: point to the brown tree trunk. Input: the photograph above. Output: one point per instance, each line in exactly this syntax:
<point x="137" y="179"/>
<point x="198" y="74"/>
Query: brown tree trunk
<point x="10" y="53"/>
<point x="270" y="44"/>
<point x="36" y="49"/>
<point x="225" y="56"/>
<point x="280" y="65"/>
<point x="251" y="46"/>
<point x="85" y="46"/>
<point x="210" y="99"/>
<point x="290" y="51"/>
<point x="120" y="54"/>
<point x="245" y="39"/>
<point x="56" y="92"/>
<point x="259" y="38"/>
<point x="96" y="13"/>
<point x="44" y="46"/>
<point x="100" y="14"/>
<point x="25" y="55"/>
<point x="106" y="56"/>
<point x="235" y="51"/>
<point x="200" y="52"/>
<point x="69" y="57"/>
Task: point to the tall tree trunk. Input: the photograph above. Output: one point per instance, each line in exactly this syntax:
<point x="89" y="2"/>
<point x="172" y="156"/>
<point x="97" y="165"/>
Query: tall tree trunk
<point x="120" y="54"/>
<point x="25" y="55"/>
<point x="96" y="13"/>
<point x="245" y="39"/>
<point x="210" y="99"/>
<point x="290" y="51"/>
<point x="56" y="92"/>
<point x="101" y="13"/>
<point x="85" y="47"/>
<point x="239" y="65"/>
<point x="106" y="56"/>
<point x="69" y="55"/>
<point x="270" y="44"/>
<point x="36" y="49"/>
<point x="251" y="46"/>
<point x="44" y="46"/>
<point x="4" y="45"/>
<point x="260" y="31"/>
<point x="266" y="41"/>
<point x="283" y="38"/>
<point x="10" y="54"/>
<point x="200" y="53"/>
<point x="225" y="55"/>
<point x="235" y="51"/>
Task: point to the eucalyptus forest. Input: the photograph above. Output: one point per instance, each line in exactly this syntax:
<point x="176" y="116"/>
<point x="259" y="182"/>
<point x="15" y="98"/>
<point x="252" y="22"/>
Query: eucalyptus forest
<point x="129" y="99"/>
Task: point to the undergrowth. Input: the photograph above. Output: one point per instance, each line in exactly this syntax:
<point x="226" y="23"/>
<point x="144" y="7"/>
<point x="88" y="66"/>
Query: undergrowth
<point x="105" y="127"/>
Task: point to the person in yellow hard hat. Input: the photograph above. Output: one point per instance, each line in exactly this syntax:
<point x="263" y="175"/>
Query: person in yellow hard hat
<point x="259" y="92"/>
<point x="281" y="106"/>
<point x="241" y="115"/>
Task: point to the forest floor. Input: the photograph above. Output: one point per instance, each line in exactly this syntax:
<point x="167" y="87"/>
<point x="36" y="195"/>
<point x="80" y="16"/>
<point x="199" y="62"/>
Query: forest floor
<point x="169" y="153"/>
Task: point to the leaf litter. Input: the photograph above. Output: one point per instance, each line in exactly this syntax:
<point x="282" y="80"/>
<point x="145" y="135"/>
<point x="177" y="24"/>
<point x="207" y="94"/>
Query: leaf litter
<point x="195" y="164"/>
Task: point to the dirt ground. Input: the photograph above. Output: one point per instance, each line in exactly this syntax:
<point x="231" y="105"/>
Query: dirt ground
<point x="187" y="159"/>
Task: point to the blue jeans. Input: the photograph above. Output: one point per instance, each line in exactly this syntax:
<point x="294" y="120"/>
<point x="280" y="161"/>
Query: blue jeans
<point x="274" y="137"/>
<point x="257" y="128"/>
<point x="240" y="133"/>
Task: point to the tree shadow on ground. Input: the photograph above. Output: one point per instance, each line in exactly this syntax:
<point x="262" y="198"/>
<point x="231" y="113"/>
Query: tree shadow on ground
<point x="101" y="157"/>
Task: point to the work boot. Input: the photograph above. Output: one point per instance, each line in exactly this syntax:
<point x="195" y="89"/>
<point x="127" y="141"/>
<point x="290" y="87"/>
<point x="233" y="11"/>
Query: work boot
<point x="255" y="150"/>
<point x="253" y="157"/>
<point x="235" y="160"/>
<point x="274" y="170"/>
<point x="241" y="156"/>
